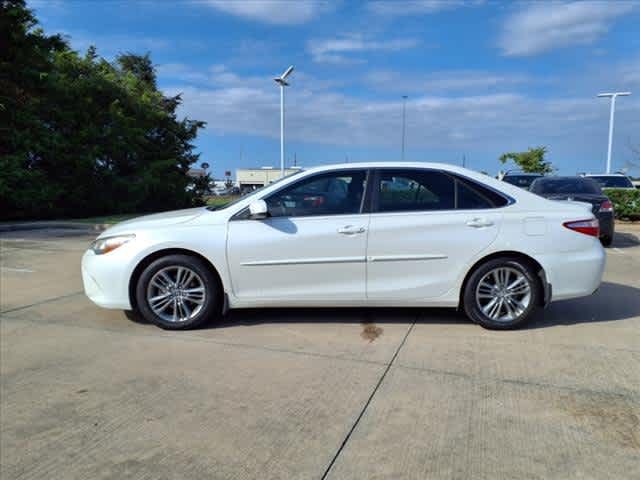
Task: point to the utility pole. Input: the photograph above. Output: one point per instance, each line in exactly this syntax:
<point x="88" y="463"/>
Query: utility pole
<point x="281" y="80"/>
<point x="612" y="112"/>
<point x="404" y="118"/>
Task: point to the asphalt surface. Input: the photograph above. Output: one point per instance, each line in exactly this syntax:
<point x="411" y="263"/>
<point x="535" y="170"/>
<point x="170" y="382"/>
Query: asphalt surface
<point x="297" y="394"/>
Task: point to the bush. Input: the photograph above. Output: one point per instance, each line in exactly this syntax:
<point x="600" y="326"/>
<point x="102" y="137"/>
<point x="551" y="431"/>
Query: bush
<point x="626" y="203"/>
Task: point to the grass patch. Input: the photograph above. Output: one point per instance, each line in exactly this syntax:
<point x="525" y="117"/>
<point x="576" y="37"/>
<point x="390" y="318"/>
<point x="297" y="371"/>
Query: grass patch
<point x="221" y="201"/>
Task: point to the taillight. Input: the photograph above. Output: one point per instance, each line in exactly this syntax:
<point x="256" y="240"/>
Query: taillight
<point x="588" y="227"/>
<point x="606" y="206"/>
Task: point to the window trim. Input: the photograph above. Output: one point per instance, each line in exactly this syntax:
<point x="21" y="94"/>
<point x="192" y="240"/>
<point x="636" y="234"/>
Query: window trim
<point x="365" y="203"/>
<point x="455" y="177"/>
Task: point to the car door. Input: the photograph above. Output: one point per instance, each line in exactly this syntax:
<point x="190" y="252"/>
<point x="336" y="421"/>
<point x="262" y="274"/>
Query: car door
<point x="312" y="246"/>
<point x="426" y="225"/>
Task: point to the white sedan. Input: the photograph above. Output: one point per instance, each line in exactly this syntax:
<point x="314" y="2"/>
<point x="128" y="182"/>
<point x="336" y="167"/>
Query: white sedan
<point x="368" y="234"/>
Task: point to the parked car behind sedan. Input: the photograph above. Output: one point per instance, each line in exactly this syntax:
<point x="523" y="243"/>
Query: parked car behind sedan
<point x="580" y="189"/>
<point x="367" y="234"/>
<point x="522" y="180"/>
<point x="612" y="180"/>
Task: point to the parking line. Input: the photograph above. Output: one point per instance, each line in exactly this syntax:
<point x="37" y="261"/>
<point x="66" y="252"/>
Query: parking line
<point x="21" y="270"/>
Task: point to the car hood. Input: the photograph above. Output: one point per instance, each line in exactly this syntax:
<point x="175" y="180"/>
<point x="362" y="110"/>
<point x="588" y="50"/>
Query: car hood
<point x="155" y="220"/>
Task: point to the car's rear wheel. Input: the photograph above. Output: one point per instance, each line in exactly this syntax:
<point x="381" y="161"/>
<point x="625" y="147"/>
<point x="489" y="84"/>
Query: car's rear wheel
<point x="502" y="293"/>
<point x="177" y="292"/>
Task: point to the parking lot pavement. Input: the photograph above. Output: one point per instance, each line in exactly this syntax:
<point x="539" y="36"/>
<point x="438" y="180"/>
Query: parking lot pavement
<point x="40" y="265"/>
<point x="380" y="393"/>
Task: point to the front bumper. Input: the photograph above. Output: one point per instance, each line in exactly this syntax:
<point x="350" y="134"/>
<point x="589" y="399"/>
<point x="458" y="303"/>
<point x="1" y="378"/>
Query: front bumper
<point x="106" y="280"/>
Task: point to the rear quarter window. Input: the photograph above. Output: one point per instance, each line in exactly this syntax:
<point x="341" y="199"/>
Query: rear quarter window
<point x="473" y="196"/>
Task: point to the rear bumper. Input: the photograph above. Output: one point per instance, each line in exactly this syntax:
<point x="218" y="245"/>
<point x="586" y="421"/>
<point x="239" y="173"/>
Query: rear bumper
<point x="574" y="274"/>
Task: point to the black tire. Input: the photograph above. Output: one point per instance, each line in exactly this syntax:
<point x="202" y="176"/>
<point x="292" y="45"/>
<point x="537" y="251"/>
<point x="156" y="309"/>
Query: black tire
<point x="210" y="308"/>
<point x="473" y="310"/>
<point x="606" y="240"/>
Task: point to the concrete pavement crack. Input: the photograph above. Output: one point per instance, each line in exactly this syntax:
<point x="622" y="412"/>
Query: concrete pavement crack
<point x="41" y="302"/>
<point x="367" y="403"/>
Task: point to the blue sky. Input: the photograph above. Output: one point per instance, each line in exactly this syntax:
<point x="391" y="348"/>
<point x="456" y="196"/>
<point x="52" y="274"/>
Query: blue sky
<point x="481" y="77"/>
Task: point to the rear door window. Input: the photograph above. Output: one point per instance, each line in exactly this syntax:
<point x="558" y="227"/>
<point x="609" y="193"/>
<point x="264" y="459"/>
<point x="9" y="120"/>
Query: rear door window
<point x="427" y="190"/>
<point x="410" y="190"/>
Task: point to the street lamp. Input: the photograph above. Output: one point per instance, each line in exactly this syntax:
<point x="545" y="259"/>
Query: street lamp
<point x="404" y="117"/>
<point x="613" y="96"/>
<point x="281" y="80"/>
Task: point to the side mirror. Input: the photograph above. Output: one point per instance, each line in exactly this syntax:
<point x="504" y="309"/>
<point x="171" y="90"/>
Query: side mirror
<point x="258" y="210"/>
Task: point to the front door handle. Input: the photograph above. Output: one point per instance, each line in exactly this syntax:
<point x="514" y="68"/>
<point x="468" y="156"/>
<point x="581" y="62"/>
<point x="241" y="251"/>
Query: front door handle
<point x="479" y="223"/>
<point x="350" y="230"/>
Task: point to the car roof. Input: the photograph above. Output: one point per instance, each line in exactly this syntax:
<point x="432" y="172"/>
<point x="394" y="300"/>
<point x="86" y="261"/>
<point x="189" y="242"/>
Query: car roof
<point x="524" y="175"/>
<point x="383" y="164"/>
<point x="564" y="177"/>
<point x="605" y="175"/>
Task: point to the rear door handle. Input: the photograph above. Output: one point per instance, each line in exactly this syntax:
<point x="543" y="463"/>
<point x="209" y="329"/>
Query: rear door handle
<point x="479" y="223"/>
<point x="350" y="230"/>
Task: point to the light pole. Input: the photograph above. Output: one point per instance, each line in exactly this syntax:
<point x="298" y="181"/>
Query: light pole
<point x="281" y="80"/>
<point x="404" y="117"/>
<point x="613" y="96"/>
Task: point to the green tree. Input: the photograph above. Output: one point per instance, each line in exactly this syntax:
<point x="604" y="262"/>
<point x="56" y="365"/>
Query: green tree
<point x="81" y="136"/>
<point x="26" y="62"/>
<point x="531" y="161"/>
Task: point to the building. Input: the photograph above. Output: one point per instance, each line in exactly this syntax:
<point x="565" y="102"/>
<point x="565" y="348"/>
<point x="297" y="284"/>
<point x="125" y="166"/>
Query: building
<point x="196" y="172"/>
<point x="252" y="178"/>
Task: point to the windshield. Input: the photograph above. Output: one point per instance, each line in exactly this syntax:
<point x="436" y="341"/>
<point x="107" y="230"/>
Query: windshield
<point x="252" y="194"/>
<point x="565" y="185"/>
<point x="522" y="181"/>
<point x="612" y="181"/>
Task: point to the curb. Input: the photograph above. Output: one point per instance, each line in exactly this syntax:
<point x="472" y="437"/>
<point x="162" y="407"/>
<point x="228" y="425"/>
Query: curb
<point x="16" y="227"/>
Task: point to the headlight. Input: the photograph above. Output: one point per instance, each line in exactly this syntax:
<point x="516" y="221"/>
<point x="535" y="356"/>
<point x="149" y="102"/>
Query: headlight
<point x="107" y="244"/>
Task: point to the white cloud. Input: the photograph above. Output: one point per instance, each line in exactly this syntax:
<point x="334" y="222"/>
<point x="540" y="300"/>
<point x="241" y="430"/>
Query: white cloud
<point x="417" y="7"/>
<point x="278" y="12"/>
<point x="444" y="81"/>
<point x="630" y="73"/>
<point x="500" y="121"/>
<point x="110" y="45"/>
<point x="541" y="27"/>
<point x="336" y="50"/>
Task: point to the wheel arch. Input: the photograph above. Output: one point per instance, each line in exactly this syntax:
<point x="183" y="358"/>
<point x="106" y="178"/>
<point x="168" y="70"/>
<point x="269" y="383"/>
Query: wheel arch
<point x="545" y="286"/>
<point x="146" y="261"/>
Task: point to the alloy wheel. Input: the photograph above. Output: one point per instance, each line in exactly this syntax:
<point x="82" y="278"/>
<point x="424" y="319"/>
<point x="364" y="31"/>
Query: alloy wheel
<point x="503" y="294"/>
<point x="176" y="294"/>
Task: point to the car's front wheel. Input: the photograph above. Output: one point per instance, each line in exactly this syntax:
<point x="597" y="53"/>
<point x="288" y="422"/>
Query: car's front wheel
<point x="177" y="292"/>
<point x="501" y="293"/>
